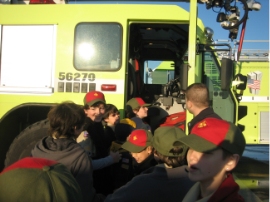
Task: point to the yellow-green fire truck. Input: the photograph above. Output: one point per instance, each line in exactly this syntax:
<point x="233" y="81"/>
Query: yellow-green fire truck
<point x="254" y="101"/>
<point x="54" y="51"/>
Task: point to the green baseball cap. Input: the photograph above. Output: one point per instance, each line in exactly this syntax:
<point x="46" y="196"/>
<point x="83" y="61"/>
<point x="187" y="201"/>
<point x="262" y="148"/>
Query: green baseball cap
<point x="138" y="140"/>
<point x="211" y="133"/>
<point x="167" y="137"/>
<point x="136" y="102"/>
<point x="38" y="179"/>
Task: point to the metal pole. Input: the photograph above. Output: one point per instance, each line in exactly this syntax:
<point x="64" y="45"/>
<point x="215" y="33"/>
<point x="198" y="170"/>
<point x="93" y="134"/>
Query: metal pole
<point x="241" y="38"/>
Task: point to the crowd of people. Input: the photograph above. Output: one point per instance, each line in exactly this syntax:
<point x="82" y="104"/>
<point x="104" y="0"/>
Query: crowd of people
<point x="91" y="154"/>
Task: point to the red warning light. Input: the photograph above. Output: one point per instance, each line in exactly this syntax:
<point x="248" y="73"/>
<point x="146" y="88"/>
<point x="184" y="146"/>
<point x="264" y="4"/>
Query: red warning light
<point x="41" y="2"/>
<point x="108" y="87"/>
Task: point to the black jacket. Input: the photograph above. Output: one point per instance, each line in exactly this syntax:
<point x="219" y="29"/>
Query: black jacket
<point x="103" y="181"/>
<point x="159" y="184"/>
<point x="208" y="112"/>
<point x="146" y="164"/>
<point x="99" y="137"/>
<point x="122" y="172"/>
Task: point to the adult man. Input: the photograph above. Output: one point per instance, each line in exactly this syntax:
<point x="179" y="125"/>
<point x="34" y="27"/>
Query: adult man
<point x="197" y="103"/>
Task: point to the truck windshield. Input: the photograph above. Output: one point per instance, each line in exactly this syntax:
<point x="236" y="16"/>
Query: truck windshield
<point x="97" y="46"/>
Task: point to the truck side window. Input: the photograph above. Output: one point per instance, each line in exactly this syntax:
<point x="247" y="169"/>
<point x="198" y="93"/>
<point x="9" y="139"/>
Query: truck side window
<point x="158" y="72"/>
<point x="212" y="71"/>
<point x="97" y="46"/>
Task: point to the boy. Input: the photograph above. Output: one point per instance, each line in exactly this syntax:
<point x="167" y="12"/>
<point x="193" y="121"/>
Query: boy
<point x="38" y="179"/>
<point x="110" y="119"/>
<point x="66" y="123"/>
<point x="122" y="172"/>
<point x="139" y="144"/>
<point x="137" y="110"/>
<point x="95" y="141"/>
<point x="215" y="147"/>
<point x="111" y="115"/>
<point x="167" y="181"/>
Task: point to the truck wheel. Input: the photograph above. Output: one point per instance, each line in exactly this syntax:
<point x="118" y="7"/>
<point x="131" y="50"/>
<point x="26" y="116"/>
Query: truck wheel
<point x="23" y="144"/>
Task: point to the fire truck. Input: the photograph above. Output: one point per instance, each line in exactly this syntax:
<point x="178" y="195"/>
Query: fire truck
<point x="55" y="51"/>
<point x="253" y="114"/>
<point x="254" y="101"/>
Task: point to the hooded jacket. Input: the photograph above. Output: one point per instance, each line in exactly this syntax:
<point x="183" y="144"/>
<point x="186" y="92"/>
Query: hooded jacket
<point x="73" y="156"/>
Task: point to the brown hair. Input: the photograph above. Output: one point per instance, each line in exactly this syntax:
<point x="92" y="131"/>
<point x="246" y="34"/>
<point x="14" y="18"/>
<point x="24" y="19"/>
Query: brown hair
<point x="86" y="106"/>
<point x="64" y="118"/>
<point x="130" y="113"/>
<point x="198" y="93"/>
<point x="173" y="161"/>
<point x="110" y="109"/>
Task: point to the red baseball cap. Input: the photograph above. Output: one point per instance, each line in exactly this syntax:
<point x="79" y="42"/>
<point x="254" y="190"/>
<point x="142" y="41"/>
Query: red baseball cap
<point x="138" y="140"/>
<point x="211" y="133"/>
<point x="137" y="102"/>
<point x="93" y="97"/>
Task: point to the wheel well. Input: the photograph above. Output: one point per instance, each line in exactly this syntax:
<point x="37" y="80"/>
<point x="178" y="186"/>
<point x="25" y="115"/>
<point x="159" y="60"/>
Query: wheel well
<point x="16" y="120"/>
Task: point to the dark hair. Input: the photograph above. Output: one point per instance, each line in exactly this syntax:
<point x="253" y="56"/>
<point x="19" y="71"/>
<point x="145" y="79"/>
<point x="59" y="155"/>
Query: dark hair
<point x="122" y="131"/>
<point x="64" y="118"/>
<point x="110" y="109"/>
<point x="198" y="93"/>
<point x="86" y="106"/>
<point x="225" y="154"/>
<point x="129" y="111"/>
<point x="174" y="161"/>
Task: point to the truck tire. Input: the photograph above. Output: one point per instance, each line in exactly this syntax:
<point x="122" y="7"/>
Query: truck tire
<point x="23" y="144"/>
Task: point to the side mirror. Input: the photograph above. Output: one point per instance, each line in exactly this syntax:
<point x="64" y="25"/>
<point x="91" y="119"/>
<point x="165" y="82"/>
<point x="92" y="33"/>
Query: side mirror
<point x="184" y="76"/>
<point x="226" y="73"/>
<point x="243" y="81"/>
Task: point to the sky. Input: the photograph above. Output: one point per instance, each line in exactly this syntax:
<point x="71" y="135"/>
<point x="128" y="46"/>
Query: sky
<point x="257" y="25"/>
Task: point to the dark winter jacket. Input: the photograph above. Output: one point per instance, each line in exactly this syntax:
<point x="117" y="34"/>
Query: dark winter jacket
<point x="123" y="171"/>
<point x="140" y="124"/>
<point x="208" y="112"/>
<point x="159" y="184"/>
<point x="103" y="181"/>
<point x="99" y="137"/>
<point x="145" y="165"/>
<point x="70" y="154"/>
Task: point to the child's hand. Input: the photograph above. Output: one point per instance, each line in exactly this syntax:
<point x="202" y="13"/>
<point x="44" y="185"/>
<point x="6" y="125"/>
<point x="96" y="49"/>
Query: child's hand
<point x="116" y="156"/>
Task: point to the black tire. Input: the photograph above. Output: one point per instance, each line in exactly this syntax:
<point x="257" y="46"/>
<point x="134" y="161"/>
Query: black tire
<point x="23" y="144"/>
